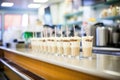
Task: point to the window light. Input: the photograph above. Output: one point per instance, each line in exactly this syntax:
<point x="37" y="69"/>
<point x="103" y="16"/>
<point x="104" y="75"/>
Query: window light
<point x="7" y="4"/>
<point x="33" y="5"/>
<point x="40" y="1"/>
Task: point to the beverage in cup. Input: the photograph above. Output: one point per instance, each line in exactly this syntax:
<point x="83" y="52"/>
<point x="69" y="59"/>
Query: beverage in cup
<point x="75" y="46"/>
<point x="87" y="44"/>
<point x="49" y="43"/>
<point x="45" y="44"/>
<point x="35" y="44"/>
<point x="53" y="45"/>
<point x="66" y="46"/>
<point x="59" y="46"/>
<point x="32" y="43"/>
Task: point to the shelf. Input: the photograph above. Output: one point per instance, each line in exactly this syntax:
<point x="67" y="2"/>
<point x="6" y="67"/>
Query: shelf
<point x="112" y="2"/>
<point x="110" y="18"/>
<point x="102" y="4"/>
<point x="74" y="23"/>
<point x="73" y="14"/>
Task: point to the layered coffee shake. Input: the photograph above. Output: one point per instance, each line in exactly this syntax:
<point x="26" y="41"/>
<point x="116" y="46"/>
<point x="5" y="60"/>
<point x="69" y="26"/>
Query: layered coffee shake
<point x="35" y="44"/>
<point x="59" y="45"/>
<point x="66" y="46"/>
<point x="75" y="46"/>
<point x="40" y="44"/>
<point x="32" y="43"/>
<point x="87" y="44"/>
<point x="49" y="47"/>
<point x="53" y="45"/>
<point x="45" y="45"/>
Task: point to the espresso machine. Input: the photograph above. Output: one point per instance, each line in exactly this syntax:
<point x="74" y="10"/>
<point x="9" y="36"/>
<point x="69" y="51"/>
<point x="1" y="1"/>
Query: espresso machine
<point x="92" y="31"/>
<point x="104" y="35"/>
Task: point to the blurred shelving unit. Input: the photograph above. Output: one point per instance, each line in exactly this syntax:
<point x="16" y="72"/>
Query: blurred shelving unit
<point x="73" y="18"/>
<point x="74" y="23"/>
<point x="106" y="2"/>
<point x="73" y="14"/>
<point x="110" y="18"/>
<point x="106" y="5"/>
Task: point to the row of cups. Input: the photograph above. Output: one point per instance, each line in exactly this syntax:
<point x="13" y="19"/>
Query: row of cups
<point x="63" y="45"/>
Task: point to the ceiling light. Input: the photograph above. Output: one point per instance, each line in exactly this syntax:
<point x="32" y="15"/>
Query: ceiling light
<point x="7" y="4"/>
<point x="33" y="5"/>
<point x="40" y="1"/>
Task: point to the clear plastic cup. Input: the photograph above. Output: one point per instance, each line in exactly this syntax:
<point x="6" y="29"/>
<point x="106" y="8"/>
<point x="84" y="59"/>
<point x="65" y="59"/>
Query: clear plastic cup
<point x="34" y="44"/>
<point x="40" y="45"/>
<point x="75" y="46"/>
<point x="66" y="46"/>
<point x="87" y="45"/>
<point x="59" y="46"/>
<point x="54" y="45"/>
<point x="49" y="48"/>
<point x="45" y="45"/>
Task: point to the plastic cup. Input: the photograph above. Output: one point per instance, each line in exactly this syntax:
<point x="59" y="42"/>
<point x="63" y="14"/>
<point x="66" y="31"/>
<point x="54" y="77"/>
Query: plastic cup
<point x="87" y="45"/>
<point x="54" y="46"/>
<point x="66" y="46"/>
<point x="49" y="43"/>
<point x="75" y="46"/>
<point x="59" y="46"/>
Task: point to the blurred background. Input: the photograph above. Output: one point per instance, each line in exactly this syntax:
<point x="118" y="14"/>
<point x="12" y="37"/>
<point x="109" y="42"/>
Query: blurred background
<point x="22" y="19"/>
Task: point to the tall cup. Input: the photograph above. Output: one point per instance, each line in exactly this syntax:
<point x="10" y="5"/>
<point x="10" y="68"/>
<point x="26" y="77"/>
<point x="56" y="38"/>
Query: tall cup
<point x="59" y="46"/>
<point x="66" y="46"/>
<point x="45" y="45"/>
<point x="33" y="44"/>
<point x="87" y="45"/>
<point x="75" y="46"/>
<point x="53" y="45"/>
<point x="40" y="45"/>
<point x="49" y="43"/>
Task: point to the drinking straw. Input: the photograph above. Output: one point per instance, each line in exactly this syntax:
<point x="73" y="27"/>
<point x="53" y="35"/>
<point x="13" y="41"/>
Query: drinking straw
<point x="67" y="30"/>
<point x="61" y="32"/>
<point x="41" y="34"/>
<point x="50" y="33"/>
<point x="46" y="32"/>
<point x="33" y="34"/>
<point x="55" y="32"/>
<point x="74" y="29"/>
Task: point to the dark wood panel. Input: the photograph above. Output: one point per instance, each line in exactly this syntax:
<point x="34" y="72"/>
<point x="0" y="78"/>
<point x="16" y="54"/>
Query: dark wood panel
<point x="11" y="75"/>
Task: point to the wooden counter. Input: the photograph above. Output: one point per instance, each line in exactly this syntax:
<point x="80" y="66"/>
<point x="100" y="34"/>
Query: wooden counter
<point x="52" y="67"/>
